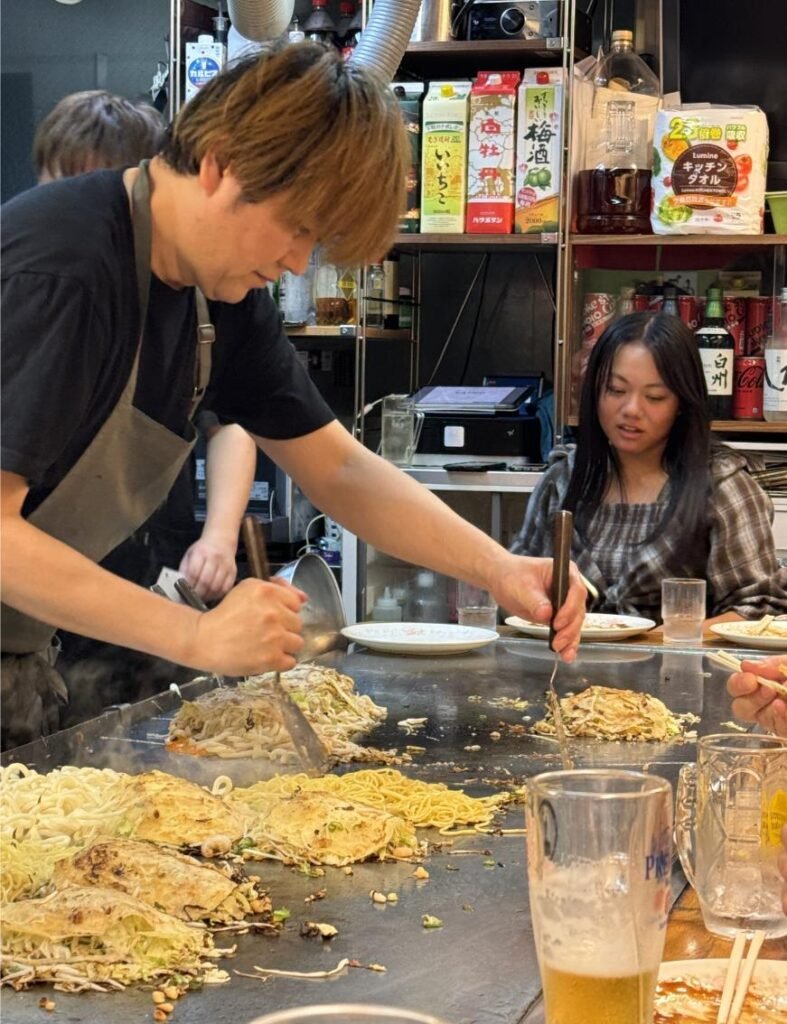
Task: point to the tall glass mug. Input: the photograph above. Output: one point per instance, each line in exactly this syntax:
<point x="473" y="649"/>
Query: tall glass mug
<point x="401" y="429"/>
<point x="599" y="853"/>
<point x="347" y="1013"/>
<point x="730" y="810"/>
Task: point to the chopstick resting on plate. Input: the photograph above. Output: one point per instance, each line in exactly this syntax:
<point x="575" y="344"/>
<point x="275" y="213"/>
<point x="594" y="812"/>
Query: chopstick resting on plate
<point x="736" y="983"/>
<point x="727" y="660"/>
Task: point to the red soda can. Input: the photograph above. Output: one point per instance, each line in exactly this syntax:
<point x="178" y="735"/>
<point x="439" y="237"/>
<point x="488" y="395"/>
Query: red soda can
<point x="689" y="311"/>
<point x="747" y="381"/>
<point x="757" y="317"/>
<point x="640" y="303"/>
<point x="735" y="321"/>
<point x="598" y="312"/>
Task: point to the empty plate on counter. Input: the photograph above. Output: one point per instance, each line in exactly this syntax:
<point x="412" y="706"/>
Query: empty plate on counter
<point x="419" y="637"/>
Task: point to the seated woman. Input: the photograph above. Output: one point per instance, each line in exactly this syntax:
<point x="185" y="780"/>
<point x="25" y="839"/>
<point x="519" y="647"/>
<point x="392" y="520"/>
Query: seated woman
<point x="652" y="495"/>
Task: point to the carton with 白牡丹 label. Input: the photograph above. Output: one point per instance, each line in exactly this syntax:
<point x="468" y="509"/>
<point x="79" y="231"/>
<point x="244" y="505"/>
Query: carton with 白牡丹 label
<point x="444" y="157"/>
<point x="539" y="144"/>
<point x="490" y="153"/>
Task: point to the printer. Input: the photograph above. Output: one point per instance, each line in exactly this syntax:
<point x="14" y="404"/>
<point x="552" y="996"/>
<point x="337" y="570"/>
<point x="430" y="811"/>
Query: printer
<point x="496" y="419"/>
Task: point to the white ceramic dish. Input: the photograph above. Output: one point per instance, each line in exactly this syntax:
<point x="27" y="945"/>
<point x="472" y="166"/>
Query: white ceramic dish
<point x="745" y="633"/>
<point x="595" y="627"/>
<point x="419" y="637"/>
<point x="766" y="1002"/>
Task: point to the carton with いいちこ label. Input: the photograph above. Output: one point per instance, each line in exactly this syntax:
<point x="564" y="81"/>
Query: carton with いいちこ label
<point x="444" y="157"/>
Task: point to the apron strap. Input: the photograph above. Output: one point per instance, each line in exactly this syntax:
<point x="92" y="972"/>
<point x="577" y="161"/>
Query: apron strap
<point x="206" y="335"/>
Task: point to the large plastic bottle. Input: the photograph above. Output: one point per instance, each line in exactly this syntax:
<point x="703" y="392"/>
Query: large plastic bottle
<point x="387" y="608"/>
<point x="613" y="188"/>
<point x="774" y="396"/>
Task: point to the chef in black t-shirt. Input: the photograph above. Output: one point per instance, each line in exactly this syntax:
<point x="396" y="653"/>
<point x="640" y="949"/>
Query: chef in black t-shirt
<point x="125" y="293"/>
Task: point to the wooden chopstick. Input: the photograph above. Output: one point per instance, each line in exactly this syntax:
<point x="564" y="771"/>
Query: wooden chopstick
<point x="729" y="661"/>
<point x="728" y="1014"/>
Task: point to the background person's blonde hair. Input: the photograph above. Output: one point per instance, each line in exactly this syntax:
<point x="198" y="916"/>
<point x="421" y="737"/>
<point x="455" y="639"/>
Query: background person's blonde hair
<point x="91" y="130"/>
<point x="298" y="120"/>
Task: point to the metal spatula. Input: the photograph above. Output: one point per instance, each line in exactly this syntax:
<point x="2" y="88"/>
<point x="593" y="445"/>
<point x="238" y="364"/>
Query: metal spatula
<point x="563" y="532"/>
<point x="307" y="743"/>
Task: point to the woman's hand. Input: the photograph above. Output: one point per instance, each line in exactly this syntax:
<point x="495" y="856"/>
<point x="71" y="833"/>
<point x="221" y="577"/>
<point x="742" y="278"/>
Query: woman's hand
<point x="753" y="702"/>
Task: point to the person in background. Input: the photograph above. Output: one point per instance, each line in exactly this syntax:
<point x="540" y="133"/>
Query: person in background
<point x="97" y="130"/>
<point x="111" y="284"/>
<point x="653" y="496"/>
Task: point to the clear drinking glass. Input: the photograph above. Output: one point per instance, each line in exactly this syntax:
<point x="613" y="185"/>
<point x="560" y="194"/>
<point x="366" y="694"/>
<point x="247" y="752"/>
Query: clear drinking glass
<point x="599" y="852"/>
<point x="347" y="1013"/>
<point x="682" y="610"/>
<point x="401" y="429"/>
<point x="731" y="807"/>
<point x="475" y="606"/>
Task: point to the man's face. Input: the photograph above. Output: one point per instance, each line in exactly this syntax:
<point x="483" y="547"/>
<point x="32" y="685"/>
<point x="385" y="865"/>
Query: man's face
<point x="236" y="246"/>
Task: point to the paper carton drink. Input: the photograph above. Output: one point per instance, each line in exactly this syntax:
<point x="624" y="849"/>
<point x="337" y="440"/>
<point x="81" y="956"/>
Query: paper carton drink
<point x="444" y="157"/>
<point x="539" y="142"/>
<point x="410" y="95"/>
<point x="490" y="152"/>
<point x="204" y="60"/>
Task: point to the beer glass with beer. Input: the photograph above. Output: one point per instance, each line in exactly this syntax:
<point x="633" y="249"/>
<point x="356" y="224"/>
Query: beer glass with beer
<point x="599" y="852"/>
<point x="731" y="807"/>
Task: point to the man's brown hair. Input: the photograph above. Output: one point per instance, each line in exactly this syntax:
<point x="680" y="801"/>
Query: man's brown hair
<point x="297" y="120"/>
<point x="87" y="131"/>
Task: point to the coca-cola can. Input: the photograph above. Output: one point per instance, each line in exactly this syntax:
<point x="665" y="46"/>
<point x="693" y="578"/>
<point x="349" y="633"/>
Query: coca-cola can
<point x="748" y="378"/>
<point x="689" y="311"/>
<point x="598" y="312"/>
<point x="640" y="303"/>
<point x="758" y="310"/>
<point x="735" y="321"/>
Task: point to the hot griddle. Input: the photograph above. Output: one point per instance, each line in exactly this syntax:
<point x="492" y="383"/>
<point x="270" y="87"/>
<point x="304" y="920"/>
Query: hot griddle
<point x="480" y="967"/>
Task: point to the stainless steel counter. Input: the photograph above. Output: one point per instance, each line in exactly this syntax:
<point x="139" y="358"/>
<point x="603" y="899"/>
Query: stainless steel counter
<point x="480" y="967"/>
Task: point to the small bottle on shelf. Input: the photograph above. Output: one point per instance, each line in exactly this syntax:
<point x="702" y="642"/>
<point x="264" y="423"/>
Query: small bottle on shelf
<point x="391" y="292"/>
<point x="774" y="400"/>
<point x="717" y="351"/>
<point x="626" y="300"/>
<point x="375" y="290"/>
<point x="670" y="305"/>
<point x="320" y="26"/>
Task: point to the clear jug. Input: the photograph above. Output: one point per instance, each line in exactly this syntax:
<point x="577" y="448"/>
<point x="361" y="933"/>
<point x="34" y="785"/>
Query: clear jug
<point x="401" y="429"/>
<point x="731" y="807"/>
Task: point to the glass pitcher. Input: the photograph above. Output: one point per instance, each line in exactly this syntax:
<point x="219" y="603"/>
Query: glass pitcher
<point x="401" y="429"/>
<point x="731" y="807"/>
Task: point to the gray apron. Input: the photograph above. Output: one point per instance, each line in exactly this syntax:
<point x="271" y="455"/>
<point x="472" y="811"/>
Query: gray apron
<point x="117" y="483"/>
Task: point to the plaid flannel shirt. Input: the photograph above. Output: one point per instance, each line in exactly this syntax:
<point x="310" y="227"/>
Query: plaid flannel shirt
<point x="739" y="562"/>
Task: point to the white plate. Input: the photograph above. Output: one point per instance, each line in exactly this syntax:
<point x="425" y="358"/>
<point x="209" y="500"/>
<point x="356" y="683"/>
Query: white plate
<point x="769" y="982"/>
<point x="419" y="637"/>
<point x="596" y="626"/>
<point x="745" y="633"/>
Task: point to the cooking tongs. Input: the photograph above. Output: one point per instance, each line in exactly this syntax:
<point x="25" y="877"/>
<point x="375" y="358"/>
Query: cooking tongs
<point x="561" y="553"/>
<point x="307" y="743"/>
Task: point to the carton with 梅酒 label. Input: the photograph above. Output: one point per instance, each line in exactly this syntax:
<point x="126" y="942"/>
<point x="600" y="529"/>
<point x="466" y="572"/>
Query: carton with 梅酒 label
<point x="539" y="146"/>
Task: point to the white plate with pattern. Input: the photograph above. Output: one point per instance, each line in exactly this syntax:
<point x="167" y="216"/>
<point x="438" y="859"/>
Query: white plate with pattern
<point x="746" y="633"/>
<point x="419" y="637"/>
<point x="690" y="990"/>
<point x="596" y="626"/>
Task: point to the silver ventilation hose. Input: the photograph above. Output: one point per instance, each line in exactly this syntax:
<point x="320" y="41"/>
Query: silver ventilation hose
<point x="382" y="44"/>
<point x="385" y="38"/>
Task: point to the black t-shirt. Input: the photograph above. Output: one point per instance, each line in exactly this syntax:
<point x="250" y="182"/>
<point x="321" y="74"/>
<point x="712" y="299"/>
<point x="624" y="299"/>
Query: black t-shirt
<point x="70" y="330"/>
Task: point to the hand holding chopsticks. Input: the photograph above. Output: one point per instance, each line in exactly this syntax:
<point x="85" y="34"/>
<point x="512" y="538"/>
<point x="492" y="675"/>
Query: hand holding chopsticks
<point x="736" y="983"/>
<point x="727" y="660"/>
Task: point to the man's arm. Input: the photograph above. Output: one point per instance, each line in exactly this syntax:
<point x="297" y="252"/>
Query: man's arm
<point x="395" y="514"/>
<point x="256" y="627"/>
<point x="209" y="564"/>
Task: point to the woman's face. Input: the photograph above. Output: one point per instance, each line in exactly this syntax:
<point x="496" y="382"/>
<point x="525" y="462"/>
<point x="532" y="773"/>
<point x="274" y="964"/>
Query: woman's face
<point x="636" y="409"/>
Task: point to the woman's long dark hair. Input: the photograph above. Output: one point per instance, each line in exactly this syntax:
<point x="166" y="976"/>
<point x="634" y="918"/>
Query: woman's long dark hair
<point x="687" y="454"/>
